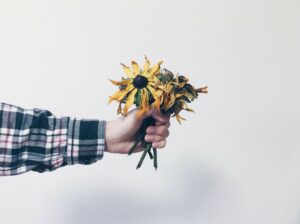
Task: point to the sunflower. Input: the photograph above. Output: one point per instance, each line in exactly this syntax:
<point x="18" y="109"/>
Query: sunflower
<point x="176" y="93"/>
<point x="138" y="88"/>
<point x="184" y="93"/>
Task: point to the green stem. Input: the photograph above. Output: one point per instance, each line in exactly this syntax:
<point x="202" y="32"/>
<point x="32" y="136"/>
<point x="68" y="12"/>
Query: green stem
<point x="146" y="145"/>
<point x="146" y="150"/>
<point x="140" y="138"/>
<point x="155" y="157"/>
<point x="150" y="155"/>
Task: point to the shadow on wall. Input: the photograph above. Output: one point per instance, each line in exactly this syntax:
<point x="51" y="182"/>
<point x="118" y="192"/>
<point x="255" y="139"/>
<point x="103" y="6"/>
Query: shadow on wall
<point x="187" y="196"/>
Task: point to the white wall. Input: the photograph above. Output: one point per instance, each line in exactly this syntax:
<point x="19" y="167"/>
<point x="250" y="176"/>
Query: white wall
<point x="235" y="161"/>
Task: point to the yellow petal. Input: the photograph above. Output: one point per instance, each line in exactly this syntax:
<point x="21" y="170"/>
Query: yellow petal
<point x="170" y="102"/>
<point x="185" y="107"/>
<point x="119" y="109"/>
<point x="177" y="80"/>
<point x="179" y="118"/>
<point x="144" y="107"/>
<point x="181" y="85"/>
<point x="179" y="95"/>
<point x="155" y="69"/>
<point x="152" y="91"/>
<point x="135" y="68"/>
<point x="168" y="88"/>
<point x="145" y="101"/>
<point x="119" y="95"/>
<point x="129" y="102"/>
<point x="156" y="80"/>
<point x="114" y="96"/>
<point x="162" y="99"/>
<point x="128" y="71"/>
<point x="190" y="110"/>
<point x="202" y="90"/>
<point x="142" y="94"/>
<point x="123" y="82"/>
<point x="140" y="113"/>
<point x="146" y="65"/>
<point x="157" y="104"/>
<point x="156" y="95"/>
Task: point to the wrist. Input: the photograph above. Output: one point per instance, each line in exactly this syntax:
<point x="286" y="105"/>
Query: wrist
<point x="109" y="136"/>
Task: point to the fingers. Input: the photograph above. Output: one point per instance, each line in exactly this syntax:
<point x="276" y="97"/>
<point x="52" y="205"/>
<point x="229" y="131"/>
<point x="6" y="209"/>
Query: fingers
<point x="161" y="118"/>
<point x="155" y="138"/>
<point x="159" y="130"/>
<point x="159" y="145"/>
<point x="157" y="134"/>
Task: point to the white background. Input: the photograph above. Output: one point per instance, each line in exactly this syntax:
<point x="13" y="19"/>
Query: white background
<point x="236" y="160"/>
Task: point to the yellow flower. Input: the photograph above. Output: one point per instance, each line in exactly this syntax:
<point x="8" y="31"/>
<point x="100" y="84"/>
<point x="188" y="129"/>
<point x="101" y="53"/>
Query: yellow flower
<point x="167" y="97"/>
<point x="138" y="87"/>
<point x="177" y="92"/>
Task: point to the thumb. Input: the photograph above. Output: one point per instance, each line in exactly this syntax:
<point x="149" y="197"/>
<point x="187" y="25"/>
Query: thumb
<point x="149" y="113"/>
<point x="136" y="120"/>
<point x="158" y="116"/>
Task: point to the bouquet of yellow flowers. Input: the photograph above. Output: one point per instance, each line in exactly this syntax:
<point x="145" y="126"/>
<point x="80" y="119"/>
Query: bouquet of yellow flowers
<point x="153" y="87"/>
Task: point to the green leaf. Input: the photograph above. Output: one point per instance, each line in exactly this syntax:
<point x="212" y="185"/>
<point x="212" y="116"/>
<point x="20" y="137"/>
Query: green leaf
<point x="186" y="99"/>
<point x="137" y="100"/>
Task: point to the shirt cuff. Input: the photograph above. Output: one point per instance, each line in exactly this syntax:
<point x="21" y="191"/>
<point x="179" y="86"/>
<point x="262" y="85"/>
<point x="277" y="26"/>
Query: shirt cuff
<point x="86" y="141"/>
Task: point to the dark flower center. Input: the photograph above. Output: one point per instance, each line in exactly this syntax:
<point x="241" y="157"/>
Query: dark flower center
<point x="140" y="82"/>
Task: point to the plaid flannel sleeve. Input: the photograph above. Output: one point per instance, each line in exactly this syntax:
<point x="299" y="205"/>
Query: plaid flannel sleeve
<point x="36" y="140"/>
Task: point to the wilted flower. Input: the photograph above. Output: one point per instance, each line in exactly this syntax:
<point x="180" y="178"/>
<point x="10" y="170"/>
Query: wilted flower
<point x="153" y="87"/>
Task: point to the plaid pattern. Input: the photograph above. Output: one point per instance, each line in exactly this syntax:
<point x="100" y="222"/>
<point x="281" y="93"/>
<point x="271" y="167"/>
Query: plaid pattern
<point x="36" y="140"/>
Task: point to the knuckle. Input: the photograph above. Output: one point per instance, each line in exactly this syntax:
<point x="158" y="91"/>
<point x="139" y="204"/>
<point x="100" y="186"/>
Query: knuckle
<point x="153" y="138"/>
<point x="150" y="130"/>
<point x="148" y="138"/>
<point x="157" y="138"/>
<point x="160" y="144"/>
<point x="160" y="130"/>
<point x="167" y="133"/>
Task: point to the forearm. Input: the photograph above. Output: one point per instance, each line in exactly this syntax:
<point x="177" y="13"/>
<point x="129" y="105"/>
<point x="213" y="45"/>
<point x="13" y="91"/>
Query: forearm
<point x="35" y="139"/>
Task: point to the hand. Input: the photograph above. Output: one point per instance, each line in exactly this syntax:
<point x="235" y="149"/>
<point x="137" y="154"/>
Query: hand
<point x="122" y="132"/>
